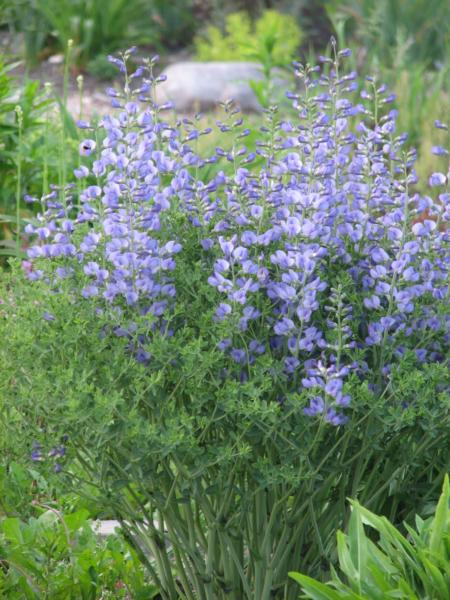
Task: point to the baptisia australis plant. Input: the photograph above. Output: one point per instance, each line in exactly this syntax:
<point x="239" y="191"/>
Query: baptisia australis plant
<point x="274" y="322"/>
<point x="325" y="198"/>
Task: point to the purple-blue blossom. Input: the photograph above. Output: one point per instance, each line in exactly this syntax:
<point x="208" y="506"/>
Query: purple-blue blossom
<point x="87" y="147"/>
<point x="437" y="179"/>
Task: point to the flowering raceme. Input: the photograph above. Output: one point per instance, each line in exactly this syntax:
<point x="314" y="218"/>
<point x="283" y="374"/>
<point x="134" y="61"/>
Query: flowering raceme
<point x="321" y="253"/>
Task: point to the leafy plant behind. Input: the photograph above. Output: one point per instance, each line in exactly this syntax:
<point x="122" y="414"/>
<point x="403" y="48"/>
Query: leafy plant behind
<point x="33" y="150"/>
<point x="25" y="144"/>
<point x="397" y="32"/>
<point x="48" y="25"/>
<point x="273" y="39"/>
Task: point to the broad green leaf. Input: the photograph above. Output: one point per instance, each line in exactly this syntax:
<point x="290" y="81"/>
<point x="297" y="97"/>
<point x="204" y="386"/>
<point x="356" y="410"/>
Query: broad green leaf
<point x="381" y="559"/>
<point x="391" y="535"/>
<point x="441" y="518"/>
<point x="11" y="528"/>
<point x="380" y="580"/>
<point x="77" y="519"/>
<point x="317" y="590"/>
<point x="419" y="523"/>
<point x="12" y="219"/>
<point x="435" y="583"/>
<point x="12" y="252"/>
<point x="24" y="564"/>
<point x="414" y="535"/>
<point x="48" y="519"/>
<point x="407" y="593"/>
<point x="11" y="66"/>
<point x="345" y="560"/>
<point x="357" y="543"/>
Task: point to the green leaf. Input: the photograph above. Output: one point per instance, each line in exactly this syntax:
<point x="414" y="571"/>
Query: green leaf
<point x="380" y="579"/>
<point x="345" y="560"/>
<point x="12" y="530"/>
<point x="406" y="591"/>
<point x="12" y="219"/>
<point x="119" y="484"/>
<point x="69" y="123"/>
<point x="441" y="518"/>
<point x="12" y="252"/>
<point x="435" y="583"/>
<point x="47" y="520"/>
<point x="315" y="589"/>
<point x="77" y="519"/>
<point x="389" y="535"/>
<point x="357" y="542"/>
<point x="382" y="560"/>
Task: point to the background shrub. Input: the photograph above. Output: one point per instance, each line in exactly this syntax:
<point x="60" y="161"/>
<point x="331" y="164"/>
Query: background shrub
<point x="394" y="32"/>
<point x="48" y="25"/>
<point x="274" y="38"/>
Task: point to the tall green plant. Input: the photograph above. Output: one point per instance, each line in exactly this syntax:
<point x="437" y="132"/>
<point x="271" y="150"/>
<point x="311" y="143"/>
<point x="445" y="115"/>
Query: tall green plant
<point x="22" y="152"/>
<point x="409" y="567"/>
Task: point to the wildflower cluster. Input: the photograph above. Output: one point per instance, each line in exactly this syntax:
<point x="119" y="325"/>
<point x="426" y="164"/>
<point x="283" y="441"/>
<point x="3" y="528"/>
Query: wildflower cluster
<point x="322" y="254"/>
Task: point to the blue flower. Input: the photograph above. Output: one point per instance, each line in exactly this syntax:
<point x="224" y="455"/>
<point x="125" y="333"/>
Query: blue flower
<point x="87" y="147"/>
<point x="437" y="179"/>
<point x="222" y="311"/>
<point x="316" y="407"/>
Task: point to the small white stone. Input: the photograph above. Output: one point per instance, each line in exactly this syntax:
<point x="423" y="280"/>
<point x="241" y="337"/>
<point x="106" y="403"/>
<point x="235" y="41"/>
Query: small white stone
<point x="56" y="59"/>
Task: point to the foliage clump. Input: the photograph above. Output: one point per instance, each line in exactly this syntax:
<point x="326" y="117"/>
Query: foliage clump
<point x="274" y="37"/>
<point x="59" y="556"/>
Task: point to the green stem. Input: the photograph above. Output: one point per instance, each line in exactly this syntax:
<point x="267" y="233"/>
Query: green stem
<point x="181" y="571"/>
<point x="45" y="188"/>
<point x="63" y="116"/>
<point x="19" y="114"/>
<point x="186" y="565"/>
<point x="80" y="116"/>
<point x="260" y="508"/>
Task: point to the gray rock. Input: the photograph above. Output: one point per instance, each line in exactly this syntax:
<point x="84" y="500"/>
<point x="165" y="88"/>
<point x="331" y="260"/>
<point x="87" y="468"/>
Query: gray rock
<point x="195" y="86"/>
<point x="106" y="527"/>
